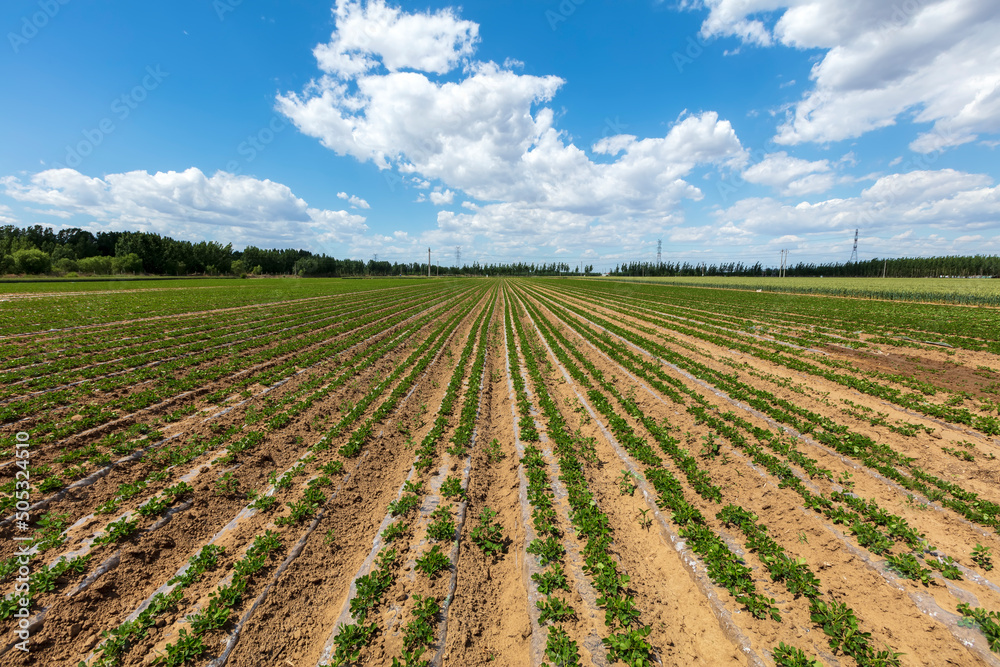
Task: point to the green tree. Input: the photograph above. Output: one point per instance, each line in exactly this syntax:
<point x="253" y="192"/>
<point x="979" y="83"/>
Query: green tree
<point x="32" y="261"/>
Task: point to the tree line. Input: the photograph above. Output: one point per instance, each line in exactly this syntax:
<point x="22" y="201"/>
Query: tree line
<point x="42" y="250"/>
<point x="964" y="266"/>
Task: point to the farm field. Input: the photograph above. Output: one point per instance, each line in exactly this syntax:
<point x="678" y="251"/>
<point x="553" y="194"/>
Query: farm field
<point x="496" y="472"/>
<point x="967" y="291"/>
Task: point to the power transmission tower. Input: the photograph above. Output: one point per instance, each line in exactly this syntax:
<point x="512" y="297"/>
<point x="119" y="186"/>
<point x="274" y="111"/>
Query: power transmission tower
<point x="784" y="263"/>
<point x="854" y="253"/>
<point x="659" y="252"/>
<point x="458" y="256"/>
<point x="428" y="262"/>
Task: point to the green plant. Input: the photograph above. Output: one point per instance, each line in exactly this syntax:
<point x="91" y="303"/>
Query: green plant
<point x="118" y="531"/>
<point x="548" y="550"/>
<point x="187" y="649"/>
<point x="452" y="488"/>
<point x="488" y="535"/>
<point x="981" y="557"/>
<point x="551" y="580"/>
<point x="710" y="447"/>
<point x="404" y="505"/>
<point x="631" y="647"/>
<point x="644" y="520"/>
<point x="394" y="531"/>
<point x="433" y="562"/>
<point x="560" y="649"/>
<point x="350" y="641"/>
<point x="332" y="468"/>
<point x="789" y="656"/>
<point x="908" y="566"/>
<point x="442" y="525"/>
<point x="493" y="452"/>
<point x="554" y="609"/>
<point x="627" y="483"/>
<point x="264" y="503"/>
<point x="946" y="567"/>
<point x="420" y="631"/>
<point x="227" y="485"/>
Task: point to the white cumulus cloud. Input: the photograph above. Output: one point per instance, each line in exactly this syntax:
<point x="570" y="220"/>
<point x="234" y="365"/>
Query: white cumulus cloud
<point x="189" y="205"/>
<point x="937" y="61"/>
<point x="485" y="130"/>
<point x="790" y="175"/>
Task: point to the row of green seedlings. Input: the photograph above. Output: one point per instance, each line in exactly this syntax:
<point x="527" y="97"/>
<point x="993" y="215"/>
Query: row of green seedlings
<point x="223" y="603"/>
<point x="107" y="360"/>
<point x="122" y="530"/>
<point x="733" y="339"/>
<point x="168" y="380"/>
<point x="871" y="538"/>
<point x="120" y="444"/>
<point x="723" y="566"/>
<point x="306" y="508"/>
<point x="49" y="579"/>
<point x="794" y="573"/>
<point x="163" y="459"/>
<point x="378" y="317"/>
<point x="838" y="621"/>
<point x="191" y="645"/>
<point x="879" y="457"/>
<point x="792" y="359"/>
<point x="116" y="643"/>
<point x="355" y="443"/>
<point x="868" y="536"/>
<point x="847" y="318"/>
<point x="214" y="333"/>
<point x="370" y="588"/>
<point x="418" y="635"/>
<point x="560" y="648"/>
<point x="344" y="372"/>
<point x="42" y="348"/>
<point x="627" y="639"/>
<point x="376" y="350"/>
<point x="709" y="319"/>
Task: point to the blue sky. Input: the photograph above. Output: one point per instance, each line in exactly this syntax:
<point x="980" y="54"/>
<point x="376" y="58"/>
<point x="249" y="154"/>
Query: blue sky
<point x="574" y="130"/>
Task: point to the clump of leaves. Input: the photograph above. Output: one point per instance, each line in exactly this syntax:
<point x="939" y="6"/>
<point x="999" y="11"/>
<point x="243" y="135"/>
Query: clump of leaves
<point x="452" y="488"/>
<point x="627" y="483"/>
<point x="554" y="609"/>
<point x="227" y="485"/>
<point x="493" y="452"/>
<point x="488" y="535"/>
<point x="394" y="531"/>
<point x="442" y="525"/>
<point x="350" y="640"/>
<point x="404" y="505"/>
<point x="548" y="550"/>
<point x="551" y="580"/>
<point x="789" y="656"/>
<point x="946" y="567"/>
<point x="433" y="562"/>
<point x="981" y="557"/>
<point x="908" y="566"/>
<point x="560" y="649"/>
